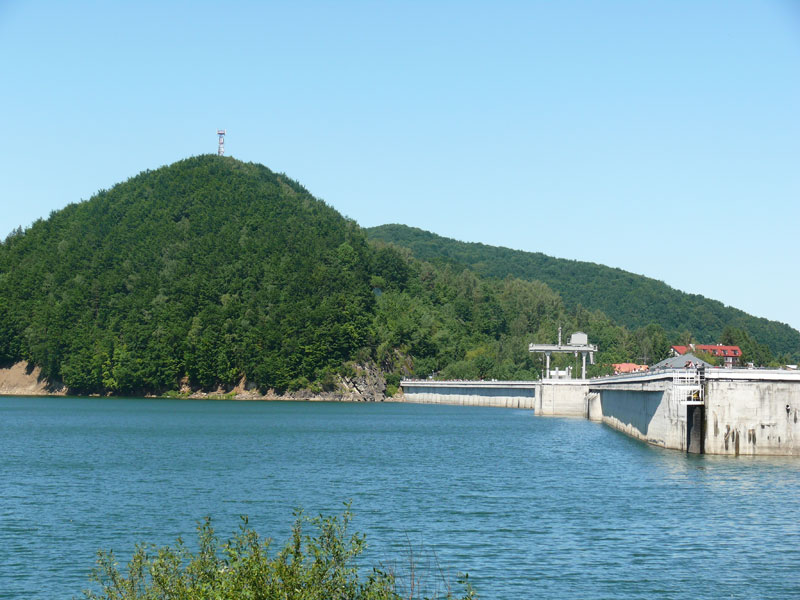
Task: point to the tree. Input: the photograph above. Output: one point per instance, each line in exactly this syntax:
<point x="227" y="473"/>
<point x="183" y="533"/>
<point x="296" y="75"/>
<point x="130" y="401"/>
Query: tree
<point x="650" y="344"/>
<point x="752" y="351"/>
<point x="9" y="344"/>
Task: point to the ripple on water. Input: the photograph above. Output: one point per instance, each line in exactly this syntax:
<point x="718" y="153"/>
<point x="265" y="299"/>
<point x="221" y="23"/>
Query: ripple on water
<point x="529" y="507"/>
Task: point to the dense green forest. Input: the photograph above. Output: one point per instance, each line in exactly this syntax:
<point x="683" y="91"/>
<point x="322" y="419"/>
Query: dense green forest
<point x="631" y="300"/>
<point x="210" y="268"/>
<point x="210" y="271"/>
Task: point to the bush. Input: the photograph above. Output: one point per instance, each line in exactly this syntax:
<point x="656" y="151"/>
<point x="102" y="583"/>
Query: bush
<point x="309" y="567"/>
<point x="393" y="379"/>
<point x="301" y="383"/>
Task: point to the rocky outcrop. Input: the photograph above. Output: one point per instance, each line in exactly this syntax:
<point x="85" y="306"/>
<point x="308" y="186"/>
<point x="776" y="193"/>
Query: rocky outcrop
<point x="367" y="385"/>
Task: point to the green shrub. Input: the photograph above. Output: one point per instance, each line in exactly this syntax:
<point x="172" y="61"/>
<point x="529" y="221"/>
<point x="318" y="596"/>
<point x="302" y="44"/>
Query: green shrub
<point x="175" y="394"/>
<point x="328" y="379"/>
<point x="393" y="379"/>
<point x="301" y="383"/>
<point x="309" y="567"/>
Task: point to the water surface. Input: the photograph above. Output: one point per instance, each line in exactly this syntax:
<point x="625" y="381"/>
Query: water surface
<point x="530" y="507"/>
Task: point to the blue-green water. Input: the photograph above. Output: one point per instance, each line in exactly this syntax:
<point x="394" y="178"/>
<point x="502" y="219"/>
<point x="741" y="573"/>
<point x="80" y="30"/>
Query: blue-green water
<point x="530" y="507"/>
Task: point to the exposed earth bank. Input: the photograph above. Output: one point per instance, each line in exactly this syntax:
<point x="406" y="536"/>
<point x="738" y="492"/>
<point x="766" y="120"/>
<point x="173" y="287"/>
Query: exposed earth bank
<point x="366" y="385"/>
<point x="22" y="379"/>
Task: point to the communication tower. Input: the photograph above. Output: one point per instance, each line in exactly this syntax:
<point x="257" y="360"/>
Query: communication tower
<point x="221" y="149"/>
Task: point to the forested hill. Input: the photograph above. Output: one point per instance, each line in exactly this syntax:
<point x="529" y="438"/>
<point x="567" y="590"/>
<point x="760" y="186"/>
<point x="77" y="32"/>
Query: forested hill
<point x="209" y="268"/>
<point x="631" y="300"/>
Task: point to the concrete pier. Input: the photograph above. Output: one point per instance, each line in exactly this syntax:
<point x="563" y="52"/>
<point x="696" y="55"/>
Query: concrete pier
<point x="754" y="415"/>
<point x="562" y="398"/>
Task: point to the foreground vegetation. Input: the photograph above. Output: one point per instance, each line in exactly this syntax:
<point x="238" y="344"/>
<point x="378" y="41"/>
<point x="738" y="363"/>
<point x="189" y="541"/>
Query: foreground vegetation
<point x="316" y="566"/>
<point x="210" y="272"/>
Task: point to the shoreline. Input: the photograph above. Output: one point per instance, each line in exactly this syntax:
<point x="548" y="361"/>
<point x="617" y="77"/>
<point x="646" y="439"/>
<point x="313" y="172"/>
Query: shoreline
<point x="23" y="380"/>
<point x="388" y="399"/>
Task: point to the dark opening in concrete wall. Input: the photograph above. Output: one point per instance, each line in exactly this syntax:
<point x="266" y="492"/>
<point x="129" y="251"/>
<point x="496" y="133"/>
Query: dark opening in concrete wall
<point x="695" y="425"/>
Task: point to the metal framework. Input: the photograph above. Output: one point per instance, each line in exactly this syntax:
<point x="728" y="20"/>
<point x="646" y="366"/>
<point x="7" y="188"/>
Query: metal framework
<point x="221" y="148"/>
<point x="578" y="343"/>
<point x="687" y="386"/>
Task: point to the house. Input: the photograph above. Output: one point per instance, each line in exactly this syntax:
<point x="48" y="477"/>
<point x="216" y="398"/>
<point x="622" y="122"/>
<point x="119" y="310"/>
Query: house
<point x="628" y="368"/>
<point x="730" y="355"/>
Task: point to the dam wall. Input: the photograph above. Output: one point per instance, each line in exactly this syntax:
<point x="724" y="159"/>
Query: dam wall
<point x="729" y="411"/>
<point x="719" y="411"/>
<point x="506" y="394"/>
<point x="555" y="398"/>
<point x="753" y="417"/>
<point x="646" y="410"/>
<point x="561" y="398"/>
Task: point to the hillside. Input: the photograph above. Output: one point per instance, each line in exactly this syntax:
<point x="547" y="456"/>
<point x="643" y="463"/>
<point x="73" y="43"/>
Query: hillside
<point x="628" y="299"/>
<point x="209" y="268"/>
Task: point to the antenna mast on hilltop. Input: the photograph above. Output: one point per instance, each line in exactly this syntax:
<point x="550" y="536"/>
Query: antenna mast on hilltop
<point x="221" y="149"/>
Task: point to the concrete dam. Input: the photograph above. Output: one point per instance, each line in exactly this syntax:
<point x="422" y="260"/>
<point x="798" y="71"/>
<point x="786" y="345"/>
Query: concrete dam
<point x="703" y="411"/>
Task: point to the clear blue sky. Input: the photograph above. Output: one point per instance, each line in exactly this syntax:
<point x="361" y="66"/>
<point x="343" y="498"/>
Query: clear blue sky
<point x="635" y="134"/>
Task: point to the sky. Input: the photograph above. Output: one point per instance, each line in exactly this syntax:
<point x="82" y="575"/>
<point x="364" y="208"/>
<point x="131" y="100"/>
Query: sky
<point x="660" y="137"/>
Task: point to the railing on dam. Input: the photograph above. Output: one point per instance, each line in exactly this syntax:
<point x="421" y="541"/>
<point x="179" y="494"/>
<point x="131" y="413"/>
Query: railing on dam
<point x="667" y="376"/>
<point x="482" y="383"/>
<point x="716" y="374"/>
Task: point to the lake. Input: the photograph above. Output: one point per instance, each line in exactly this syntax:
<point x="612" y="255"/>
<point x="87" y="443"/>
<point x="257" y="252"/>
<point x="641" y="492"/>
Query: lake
<point x="530" y="507"/>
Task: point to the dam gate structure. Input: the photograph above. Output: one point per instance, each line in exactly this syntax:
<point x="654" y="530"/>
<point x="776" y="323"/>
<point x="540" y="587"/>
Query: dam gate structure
<point x="700" y="411"/>
<point x="688" y="391"/>
<point x="706" y="411"/>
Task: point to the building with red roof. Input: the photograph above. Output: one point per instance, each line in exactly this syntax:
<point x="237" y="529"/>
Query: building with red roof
<point x="730" y="355"/>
